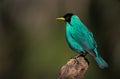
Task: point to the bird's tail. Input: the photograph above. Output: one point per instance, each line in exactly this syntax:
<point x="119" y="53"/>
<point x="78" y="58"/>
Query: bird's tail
<point x="101" y="62"/>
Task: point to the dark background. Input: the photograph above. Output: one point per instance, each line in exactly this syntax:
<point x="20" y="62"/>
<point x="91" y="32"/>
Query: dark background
<point x="33" y="45"/>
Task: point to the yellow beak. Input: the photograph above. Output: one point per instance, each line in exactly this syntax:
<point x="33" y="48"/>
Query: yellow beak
<point x="63" y="19"/>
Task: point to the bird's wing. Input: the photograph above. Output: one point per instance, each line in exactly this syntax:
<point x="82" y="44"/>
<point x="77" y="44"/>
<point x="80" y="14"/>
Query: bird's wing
<point x="83" y="36"/>
<point x="95" y="44"/>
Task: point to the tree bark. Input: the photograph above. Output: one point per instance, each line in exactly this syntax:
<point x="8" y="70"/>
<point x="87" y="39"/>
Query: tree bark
<point x="75" y="68"/>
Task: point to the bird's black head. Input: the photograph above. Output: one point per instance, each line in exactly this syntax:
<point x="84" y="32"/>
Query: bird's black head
<point x="68" y="17"/>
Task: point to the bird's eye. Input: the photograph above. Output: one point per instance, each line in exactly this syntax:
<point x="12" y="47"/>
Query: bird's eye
<point x="67" y="18"/>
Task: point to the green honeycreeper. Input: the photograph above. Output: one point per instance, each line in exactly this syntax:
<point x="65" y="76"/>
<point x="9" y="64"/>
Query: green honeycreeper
<point x="80" y="39"/>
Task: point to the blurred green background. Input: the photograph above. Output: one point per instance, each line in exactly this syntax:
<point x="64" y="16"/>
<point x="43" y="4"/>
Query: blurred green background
<point x="33" y="45"/>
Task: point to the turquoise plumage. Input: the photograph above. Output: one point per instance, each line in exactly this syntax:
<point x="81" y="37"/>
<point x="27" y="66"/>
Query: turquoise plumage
<point x="80" y="39"/>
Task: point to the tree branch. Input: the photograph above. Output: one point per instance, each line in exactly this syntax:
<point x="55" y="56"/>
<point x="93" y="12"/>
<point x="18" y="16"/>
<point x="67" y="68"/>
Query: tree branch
<point x="74" y="69"/>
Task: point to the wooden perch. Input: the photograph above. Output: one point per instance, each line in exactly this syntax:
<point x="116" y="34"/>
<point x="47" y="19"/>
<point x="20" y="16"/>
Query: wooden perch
<point x="74" y="69"/>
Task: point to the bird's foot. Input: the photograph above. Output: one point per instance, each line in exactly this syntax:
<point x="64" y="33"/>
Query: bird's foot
<point x="77" y="61"/>
<point x="75" y="57"/>
<point x="83" y="55"/>
<point x="79" y="55"/>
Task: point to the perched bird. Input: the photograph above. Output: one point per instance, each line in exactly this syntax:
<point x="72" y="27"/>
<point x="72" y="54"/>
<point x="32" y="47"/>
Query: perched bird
<point x="80" y="39"/>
